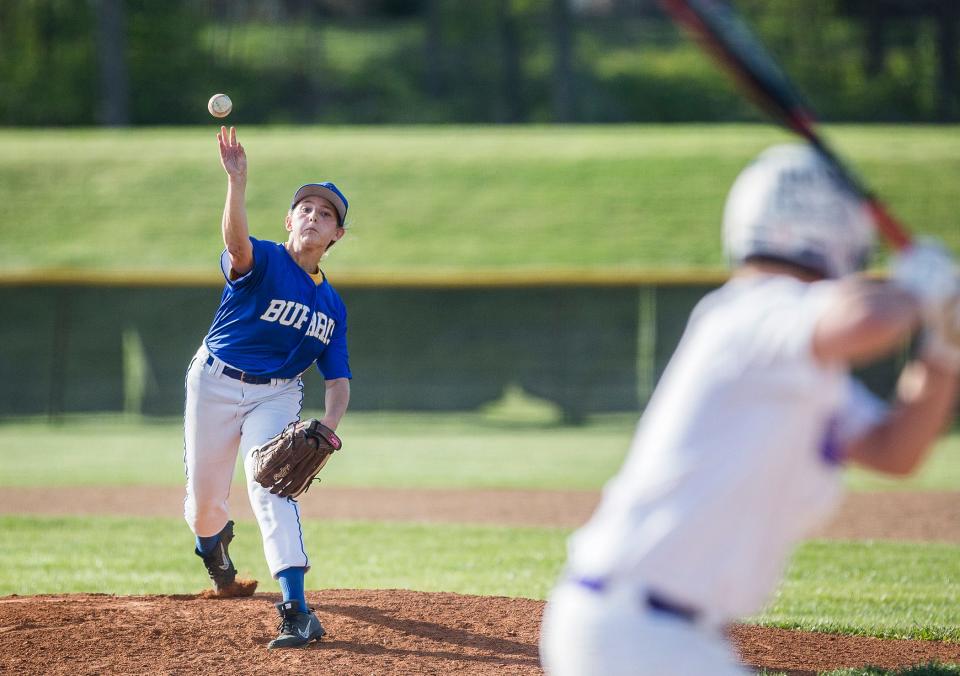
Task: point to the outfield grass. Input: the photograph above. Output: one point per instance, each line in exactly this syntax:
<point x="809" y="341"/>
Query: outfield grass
<point x="388" y="450"/>
<point x="429" y="198"/>
<point x="873" y="588"/>
<point x="394" y="451"/>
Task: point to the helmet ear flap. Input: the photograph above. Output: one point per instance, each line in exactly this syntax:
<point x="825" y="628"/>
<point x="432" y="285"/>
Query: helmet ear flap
<point x="790" y="204"/>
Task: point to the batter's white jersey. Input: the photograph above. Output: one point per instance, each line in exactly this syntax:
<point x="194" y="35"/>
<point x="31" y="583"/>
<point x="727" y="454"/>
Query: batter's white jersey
<point x="736" y="456"/>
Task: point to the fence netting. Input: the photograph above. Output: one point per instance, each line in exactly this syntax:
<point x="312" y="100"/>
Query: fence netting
<point x="584" y="349"/>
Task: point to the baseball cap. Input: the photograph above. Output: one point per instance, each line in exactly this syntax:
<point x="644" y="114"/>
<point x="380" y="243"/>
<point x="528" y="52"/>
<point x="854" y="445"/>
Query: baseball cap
<point x="326" y="190"/>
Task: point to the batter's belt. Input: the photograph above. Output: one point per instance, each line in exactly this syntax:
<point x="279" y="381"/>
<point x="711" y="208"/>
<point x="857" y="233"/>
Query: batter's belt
<point x="650" y="599"/>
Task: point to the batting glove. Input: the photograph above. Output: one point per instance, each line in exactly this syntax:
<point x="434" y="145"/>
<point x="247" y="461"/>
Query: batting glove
<point x="927" y="271"/>
<point x="941" y="338"/>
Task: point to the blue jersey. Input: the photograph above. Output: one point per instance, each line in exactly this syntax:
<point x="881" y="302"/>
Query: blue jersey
<point x="276" y="320"/>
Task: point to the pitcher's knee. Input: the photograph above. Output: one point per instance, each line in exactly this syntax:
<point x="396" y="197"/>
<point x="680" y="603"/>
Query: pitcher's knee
<point x="205" y="519"/>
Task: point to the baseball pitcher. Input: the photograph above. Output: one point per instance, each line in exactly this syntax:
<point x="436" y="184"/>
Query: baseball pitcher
<point x="278" y="315"/>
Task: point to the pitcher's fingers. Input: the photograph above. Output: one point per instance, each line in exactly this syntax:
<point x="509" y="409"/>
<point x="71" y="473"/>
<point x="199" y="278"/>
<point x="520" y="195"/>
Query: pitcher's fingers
<point x="233" y="136"/>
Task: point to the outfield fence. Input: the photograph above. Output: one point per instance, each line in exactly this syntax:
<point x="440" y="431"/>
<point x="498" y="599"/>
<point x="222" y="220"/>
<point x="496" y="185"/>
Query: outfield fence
<point x="586" y="344"/>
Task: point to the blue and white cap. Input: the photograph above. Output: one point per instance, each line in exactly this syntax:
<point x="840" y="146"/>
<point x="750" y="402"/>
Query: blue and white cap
<point x="327" y="191"/>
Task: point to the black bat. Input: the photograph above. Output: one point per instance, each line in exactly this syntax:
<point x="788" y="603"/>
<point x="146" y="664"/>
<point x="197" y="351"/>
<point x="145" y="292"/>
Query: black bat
<point x="722" y="32"/>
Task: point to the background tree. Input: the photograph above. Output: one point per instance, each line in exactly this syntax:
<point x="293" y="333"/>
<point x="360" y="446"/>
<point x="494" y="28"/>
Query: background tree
<point x="114" y="109"/>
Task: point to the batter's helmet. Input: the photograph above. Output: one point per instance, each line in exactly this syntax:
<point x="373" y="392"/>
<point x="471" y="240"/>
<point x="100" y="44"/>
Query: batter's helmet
<point x="790" y="205"/>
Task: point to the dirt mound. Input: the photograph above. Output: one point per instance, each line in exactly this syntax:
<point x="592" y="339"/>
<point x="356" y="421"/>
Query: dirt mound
<point x="236" y="589"/>
<point x="802" y="653"/>
<point x="369" y="632"/>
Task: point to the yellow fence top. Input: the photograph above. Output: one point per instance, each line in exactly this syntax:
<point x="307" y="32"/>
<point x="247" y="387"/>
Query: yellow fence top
<point x="489" y="278"/>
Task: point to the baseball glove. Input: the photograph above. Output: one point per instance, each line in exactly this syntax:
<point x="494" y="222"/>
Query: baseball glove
<point x="287" y="463"/>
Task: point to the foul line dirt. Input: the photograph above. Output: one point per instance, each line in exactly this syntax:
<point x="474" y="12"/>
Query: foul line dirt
<point x="922" y="517"/>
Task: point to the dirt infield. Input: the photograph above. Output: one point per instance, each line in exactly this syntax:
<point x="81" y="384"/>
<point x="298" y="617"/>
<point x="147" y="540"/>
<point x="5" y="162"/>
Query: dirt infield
<point x="396" y="631"/>
<point x="369" y="632"/>
<point x="923" y="517"/>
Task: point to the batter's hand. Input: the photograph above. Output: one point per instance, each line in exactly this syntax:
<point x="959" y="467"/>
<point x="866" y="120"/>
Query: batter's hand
<point x="927" y="271"/>
<point x="941" y="340"/>
<point x="232" y="156"/>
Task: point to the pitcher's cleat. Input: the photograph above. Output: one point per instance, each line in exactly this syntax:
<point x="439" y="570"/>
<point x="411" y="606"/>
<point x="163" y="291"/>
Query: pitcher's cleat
<point x="296" y="628"/>
<point x="219" y="566"/>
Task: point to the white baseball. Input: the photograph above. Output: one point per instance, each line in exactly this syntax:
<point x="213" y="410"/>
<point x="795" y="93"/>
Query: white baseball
<point x="219" y="105"/>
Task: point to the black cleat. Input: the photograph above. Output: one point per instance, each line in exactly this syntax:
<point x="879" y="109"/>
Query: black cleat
<point x="296" y="628"/>
<point x="219" y="566"/>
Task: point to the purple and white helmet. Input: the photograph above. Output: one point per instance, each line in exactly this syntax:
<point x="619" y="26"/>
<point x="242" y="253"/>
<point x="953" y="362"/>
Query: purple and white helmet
<point x="791" y="205"/>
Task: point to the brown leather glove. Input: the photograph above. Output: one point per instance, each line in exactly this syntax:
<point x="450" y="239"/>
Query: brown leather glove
<point x="287" y="463"/>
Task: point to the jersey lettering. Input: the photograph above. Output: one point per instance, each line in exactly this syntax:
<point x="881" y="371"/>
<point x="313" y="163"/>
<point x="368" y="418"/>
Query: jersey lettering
<point x="325" y="338"/>
<point x="273" y="311"/>
<point x="291" y="313"/>
<point x="304" y="314"/>
<point x="321" y="327"/>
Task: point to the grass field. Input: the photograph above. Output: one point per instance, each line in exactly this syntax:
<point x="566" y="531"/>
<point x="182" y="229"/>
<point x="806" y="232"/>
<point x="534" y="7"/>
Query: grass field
<point x="386" y="450"/>
<point x="885" y="589"/>
<point x="430" y="198"/>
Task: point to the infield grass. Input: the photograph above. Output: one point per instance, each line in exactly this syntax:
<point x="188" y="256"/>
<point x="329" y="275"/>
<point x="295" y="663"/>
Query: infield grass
<point x="871" y="588"/>
<point x="429" y="197"/>
<point x="155" y="556"/>
<point x="388" y="450"/>
<point x="922" y="670"/>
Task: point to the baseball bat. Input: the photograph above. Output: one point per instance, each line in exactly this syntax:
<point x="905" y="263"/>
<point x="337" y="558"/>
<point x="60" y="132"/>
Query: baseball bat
<point x="721" y="31"/>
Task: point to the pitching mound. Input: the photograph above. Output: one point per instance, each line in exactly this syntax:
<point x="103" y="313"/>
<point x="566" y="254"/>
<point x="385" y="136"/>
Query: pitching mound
<point x="369" y="632"/>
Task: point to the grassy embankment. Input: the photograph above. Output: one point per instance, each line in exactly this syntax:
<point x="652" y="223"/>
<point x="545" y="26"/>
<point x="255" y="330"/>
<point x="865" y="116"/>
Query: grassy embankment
<point x="621" y="198"/>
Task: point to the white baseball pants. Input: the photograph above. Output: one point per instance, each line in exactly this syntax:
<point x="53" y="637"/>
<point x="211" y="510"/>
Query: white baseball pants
<point x="224" y="416"/>
<point x="611" y="633"/>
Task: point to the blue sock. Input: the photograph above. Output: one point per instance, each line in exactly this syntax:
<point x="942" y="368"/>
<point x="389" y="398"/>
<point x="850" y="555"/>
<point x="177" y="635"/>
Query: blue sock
<point x="291" y="584"/>
<point x="206" y="545"/>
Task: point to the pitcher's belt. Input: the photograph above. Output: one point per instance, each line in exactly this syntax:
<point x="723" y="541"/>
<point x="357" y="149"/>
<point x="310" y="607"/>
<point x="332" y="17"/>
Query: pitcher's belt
<point x="237" y="374"/>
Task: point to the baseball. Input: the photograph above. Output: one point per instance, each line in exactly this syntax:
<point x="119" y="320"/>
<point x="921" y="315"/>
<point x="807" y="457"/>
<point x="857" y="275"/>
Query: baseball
<point x="219" y="105"/>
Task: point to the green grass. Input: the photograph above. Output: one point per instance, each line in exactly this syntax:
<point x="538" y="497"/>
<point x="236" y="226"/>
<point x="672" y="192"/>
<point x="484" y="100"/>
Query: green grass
<point x="413" y="451"/>
<point x="922" y="670"/>
<point x="873" y="589"/>
<point x="429" y="198"/>
<point x="389" y="450"/>
<point x="883" y="589"/>
<point x="155" y="556"/>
